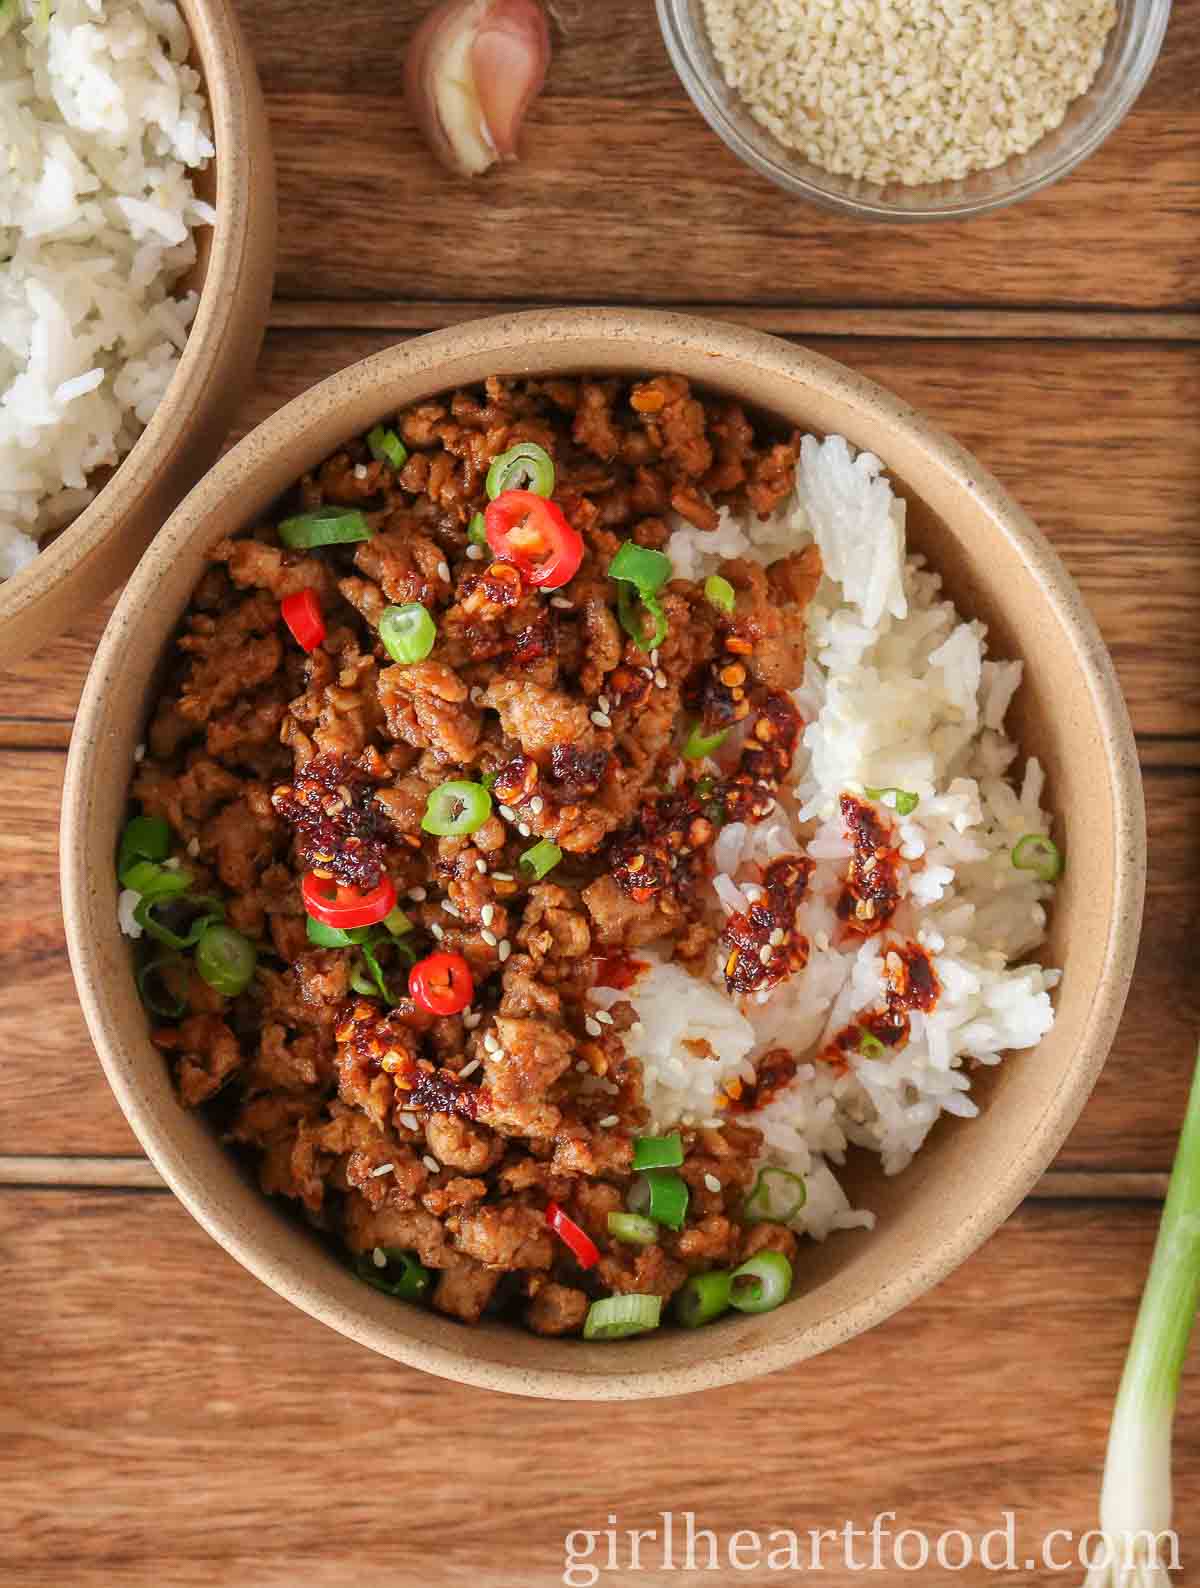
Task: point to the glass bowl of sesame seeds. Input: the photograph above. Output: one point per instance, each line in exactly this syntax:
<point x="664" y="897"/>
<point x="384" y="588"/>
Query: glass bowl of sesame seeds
<point x="937" y="110"/>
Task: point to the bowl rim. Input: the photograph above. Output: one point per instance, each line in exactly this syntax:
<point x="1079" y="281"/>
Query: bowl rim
<point x="230" y="87"/>
<point x="699" y="89"/>
<point x="502" y="338"/>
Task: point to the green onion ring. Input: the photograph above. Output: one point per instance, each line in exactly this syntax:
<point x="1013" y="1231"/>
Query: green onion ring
<point x="410" y="1284"/>
<point x="902" y="801"/>
<point x="525" y="467"/>
<point x="146" y="838"/>
<point x="658" y="1152"/>
<point x="407" y="633"/>
<point x="324" y="526"/>
<point x="632" y="1229"/>
<point x="170" y="1005"/>
<point x="543" y="857"/>
<point x="701" y="744"/>
<point x="662" y="1194"/>
<point x="719" y="593"/>
<point x="386" y="447"/>
<point x="225" y="959"/>
<point x="703" y="1298"/>
<point x="1039" y="854"/>
<point x="761" y="1284"/>
<point x="456" y="808"/>
<point x="761" y="1204"/>
<point x="618" y="1317"/>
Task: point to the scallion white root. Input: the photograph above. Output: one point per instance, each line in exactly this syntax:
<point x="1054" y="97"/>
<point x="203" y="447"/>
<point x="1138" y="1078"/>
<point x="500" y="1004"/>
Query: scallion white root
<point x="1135" y="1502"/>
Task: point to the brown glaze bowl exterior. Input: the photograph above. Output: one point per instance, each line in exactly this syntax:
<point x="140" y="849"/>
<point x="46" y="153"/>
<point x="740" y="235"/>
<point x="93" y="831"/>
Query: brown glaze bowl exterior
<point x="971" y="1174"/>
<point x="234" y="276"/>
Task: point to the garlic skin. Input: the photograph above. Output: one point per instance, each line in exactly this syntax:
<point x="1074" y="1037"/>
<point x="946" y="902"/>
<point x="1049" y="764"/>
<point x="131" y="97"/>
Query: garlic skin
<point x="473" y="68"/>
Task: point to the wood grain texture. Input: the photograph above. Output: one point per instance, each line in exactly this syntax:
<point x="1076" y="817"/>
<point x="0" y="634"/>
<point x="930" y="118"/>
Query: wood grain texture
<point x="54" y="1099"/>
<point x="1096" y="439"/>
<point x="635" y="200"/>
<point x="198" y="1429"/>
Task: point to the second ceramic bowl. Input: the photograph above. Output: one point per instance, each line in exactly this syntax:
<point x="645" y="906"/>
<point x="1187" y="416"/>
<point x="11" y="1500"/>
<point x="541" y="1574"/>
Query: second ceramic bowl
<point x="997" y="567"/>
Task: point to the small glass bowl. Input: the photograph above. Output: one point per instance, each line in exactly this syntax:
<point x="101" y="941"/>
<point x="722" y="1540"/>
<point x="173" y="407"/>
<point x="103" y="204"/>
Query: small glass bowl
<point x="1131" y="51"/>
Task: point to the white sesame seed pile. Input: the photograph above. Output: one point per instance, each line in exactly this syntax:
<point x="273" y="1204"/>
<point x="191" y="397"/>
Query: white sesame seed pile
<point x="909" y="91"/>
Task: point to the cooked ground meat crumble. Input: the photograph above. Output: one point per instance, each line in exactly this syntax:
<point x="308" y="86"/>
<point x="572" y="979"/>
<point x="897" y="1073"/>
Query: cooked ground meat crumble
<point x="447" y="1136"/>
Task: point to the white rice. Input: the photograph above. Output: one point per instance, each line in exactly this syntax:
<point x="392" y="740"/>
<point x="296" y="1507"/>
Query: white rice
<point x="100" y="123"/>
<point x="898" y="693"/>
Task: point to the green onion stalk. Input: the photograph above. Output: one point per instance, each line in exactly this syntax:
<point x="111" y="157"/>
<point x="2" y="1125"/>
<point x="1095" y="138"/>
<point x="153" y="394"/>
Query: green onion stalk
<point x="1135" y="1501"/>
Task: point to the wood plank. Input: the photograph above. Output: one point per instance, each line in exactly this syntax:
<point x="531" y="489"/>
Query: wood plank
<point x="185" y="1413"/>
<point x="1096" y="440"/>
<point x="54" y="1100"/>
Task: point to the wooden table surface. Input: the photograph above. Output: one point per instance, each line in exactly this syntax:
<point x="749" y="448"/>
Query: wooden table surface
<point x="166" y="1420"/>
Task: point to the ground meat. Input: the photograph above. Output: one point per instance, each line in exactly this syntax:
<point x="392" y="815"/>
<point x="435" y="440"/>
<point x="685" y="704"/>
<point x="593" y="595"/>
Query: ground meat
<point x="426" y="705"/>
<point x="557" y="1309"/>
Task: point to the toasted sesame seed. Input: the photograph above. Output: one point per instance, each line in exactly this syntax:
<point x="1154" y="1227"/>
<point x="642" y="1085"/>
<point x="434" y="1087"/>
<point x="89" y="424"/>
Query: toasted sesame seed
<point x="409" y="1121"/>
<point x="602" y="702"/>
<point x="525" y="830"/>
<point x="637" y="1029"/>
<point x="609" y="1121"/>
<point x="475" y="553"/>
<point x="139" y="753"/>
<point x="777" y="937"/>
<point x="822" y="941"/>
<point x="437" y="931"/>
<point x="504" y="950"/>
<point x="764" y="954"/>
<point x="592" y="1027"/>
<point x="487" y="914"/>
<point x="468" y="1069"/>
<point x="476" y="696"/>
<point x="452" y="909"/>
<point x="562" y="603"/>
<point x="502" y="876"/>
<point x="489" y="938"/>
<point x="381" y="1170"/>
<point x="379" y="1257"/>
<point x="481" y="867"/>
<point x="603" y="1016"/>
<point x="417" y="895"/>
<point x="508" y="813"/>
<point x="660" y="678"/>
<point x="490" y="1043"/>
<point x="601" y="719"/>
<point x="537" y="805"/>
<point x="360" y="471"/>
<point x="584" y="1067"/>
<point x="193" y="847"/>
<point x="443" y="570"/>
<point x="761" y="997"/>
<point x="431" y="1163"/>
<point x="654" y="657"/>
<point x="711" y="1181"/>
<point x="471" y="1018"/>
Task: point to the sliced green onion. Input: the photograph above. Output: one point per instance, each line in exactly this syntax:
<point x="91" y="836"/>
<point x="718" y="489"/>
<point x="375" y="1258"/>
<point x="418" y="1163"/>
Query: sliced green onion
<point x="525" y="467"/>
<point x="1135" y="1502"/>
<point x="641" y="567"/>
<point x="386" y="447"/>
<point x="325" y="526"/>
<point x="334" y="936"/>
<point x="400" y="1274"/>
<point x="477" y="530"/>
<point x="361" y="983"/>
<point x="629" y="611"/>
<point x="543" y="857"/>
<point x="488" y="780"/>
<point x="703" y="1298"/>
<point x="778" y="1195"/>
<point x="762" y="1283"/>
<point x="870" y="1046"/>
<point x="155" y="989"/>
<point x="147" y="876"/>
<point x="617" y="1317"/>
<point x="226" y="960"/>
<point x="377" y="982"/>
<point x="633" y="1229"/>
<point x="662" y="1194"/>
<point x="455" y="808"/>
<point x="1039" y="854"/>
<point x="898" y="799"/>
<point x="658" y="1152"/>
<point x="719" y="592"/>
<point x="397" y="923"/>
<point x="701" y="744"/>
<point x="407" y="633"/>
<point x="207" y="912"/>
<point x="146" y="838"/>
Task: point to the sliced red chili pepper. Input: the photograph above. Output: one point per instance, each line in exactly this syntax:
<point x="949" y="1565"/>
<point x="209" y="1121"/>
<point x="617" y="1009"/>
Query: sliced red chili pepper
<point x="586" y="1251"/>
<point x="531" y="532"/>
<point x="332" y="904"/>
<point x="302" y="614"/>
<point x="441" y="984"/>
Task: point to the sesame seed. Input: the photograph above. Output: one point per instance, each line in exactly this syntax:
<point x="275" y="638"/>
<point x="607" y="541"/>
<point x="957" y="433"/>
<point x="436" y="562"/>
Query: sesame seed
<point x="603" y="1016"/>
<point x="637" y="1029"/>
<point x="711" y="1181"/>
<point x="562" y="603"/>
<point x="504" y="950"/>
<point x="431" y="1163"/>
<point x="193" y="847"/>
<point x="360" y="471"/>
<point x="761" y="997"/>
<point x="764" y="954"/>
<point x="660" y="678"/>
<point x="602" y="702"/>
<point x="490" y="1044"/>
<point x="417" y="895"/>
<point x="472" y="1018"/>
<point x="452" y="909"/>
<point x="172" y="864"/>
<point x="468" y="1069"/>
<point x="609" y="1121"/>
<point x="508" y="813"/>
<point x="502" y="876"/>
<point x="584" y="1067"/>
<point x="489" y="938"/>
<point x="654" y="657"/>
<point x="592" y="1027"/>
<point x="409" y="1121"/>
<point x="525" y="830"/>
<point x="443" y="570"/>
<point x="822" y="941"/>
<point x="487" y="914"/>
<point x="601" y="719"/>
<point x="537" y="805"/>
<point x="379" y="1258"/>
<point x="777" y="937"/>
<point x="437" y="931"/>
<point x="481" y="867"/>
<point x="384" y="1168"/>
<point x="476" y="695"/>
<point x="475" y="553"/>
<point x="139" y="753"/>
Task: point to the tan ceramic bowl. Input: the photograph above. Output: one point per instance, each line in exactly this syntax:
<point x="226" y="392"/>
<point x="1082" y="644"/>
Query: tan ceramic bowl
<point x="971" y="1174"/>
<point x="234" y="275"/>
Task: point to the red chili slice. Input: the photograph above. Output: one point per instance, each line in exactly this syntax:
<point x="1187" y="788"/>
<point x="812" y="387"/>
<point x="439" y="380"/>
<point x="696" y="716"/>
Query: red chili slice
<point x="581" y="1243"/>
<point x="441" y="984"/>
<point x="302" y="614"/>
<point x="531" y="532"/>
<point x="332" y="904"/>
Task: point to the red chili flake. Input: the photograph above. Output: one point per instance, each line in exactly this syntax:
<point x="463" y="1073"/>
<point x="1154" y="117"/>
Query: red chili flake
<point x="618" y="970"/>
<point x="533" y="642"/>
<point x="515" y="780"/>
<point x="775" y="1070"/>
<point x="752" y="960"/>
<point x="871" y="892"/>
<point x="341" y="831"/>
<point x="766" y="760"/>
<point x="912" y="984"/>
<point x="577" y="774"/>
<point x="664" y="846"/>
<point x="437" y="1091"/>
